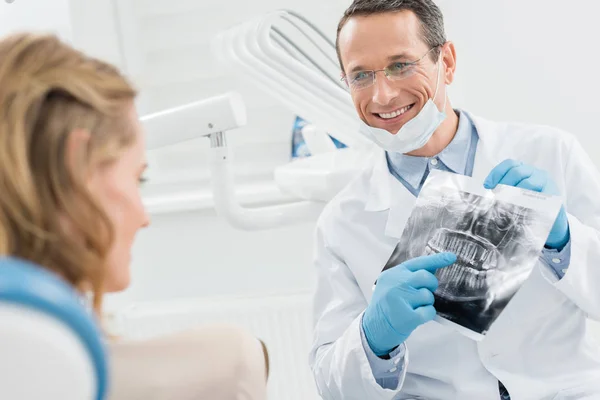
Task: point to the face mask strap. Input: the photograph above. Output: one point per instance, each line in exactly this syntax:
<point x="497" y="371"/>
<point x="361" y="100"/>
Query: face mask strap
<point x="437" y="84"/>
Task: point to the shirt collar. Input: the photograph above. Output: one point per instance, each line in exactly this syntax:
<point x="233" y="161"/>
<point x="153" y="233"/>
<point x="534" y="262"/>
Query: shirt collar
<point x="454" y="156"/>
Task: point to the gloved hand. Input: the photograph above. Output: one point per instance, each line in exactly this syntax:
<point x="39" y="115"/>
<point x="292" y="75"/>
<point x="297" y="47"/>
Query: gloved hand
<point x="402" y="300"/>
<point x="518" y="174"/>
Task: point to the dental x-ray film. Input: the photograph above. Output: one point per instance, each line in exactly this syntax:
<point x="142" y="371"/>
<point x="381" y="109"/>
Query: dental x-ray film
<point x="497" y="236"/>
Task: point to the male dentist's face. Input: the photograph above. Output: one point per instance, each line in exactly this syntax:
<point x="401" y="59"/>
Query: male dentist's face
<point x="384" y="40"/>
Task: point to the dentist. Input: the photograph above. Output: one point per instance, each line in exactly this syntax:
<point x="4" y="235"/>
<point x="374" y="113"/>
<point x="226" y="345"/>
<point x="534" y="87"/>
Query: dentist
<point x="382" y="343"/>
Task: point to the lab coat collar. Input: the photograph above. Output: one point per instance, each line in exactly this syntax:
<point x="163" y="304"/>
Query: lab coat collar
<point x="386" y="193"/>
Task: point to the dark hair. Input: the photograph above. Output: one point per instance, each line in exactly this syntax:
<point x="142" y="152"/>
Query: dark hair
<point x="429" y="14"/>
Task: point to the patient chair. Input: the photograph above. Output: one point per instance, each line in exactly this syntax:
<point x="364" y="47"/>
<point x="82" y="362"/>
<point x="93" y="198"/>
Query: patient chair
<point x="50" y="345"/>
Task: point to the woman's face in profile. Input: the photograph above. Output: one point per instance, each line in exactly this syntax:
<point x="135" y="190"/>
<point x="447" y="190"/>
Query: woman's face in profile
<point x="117" y="187"/>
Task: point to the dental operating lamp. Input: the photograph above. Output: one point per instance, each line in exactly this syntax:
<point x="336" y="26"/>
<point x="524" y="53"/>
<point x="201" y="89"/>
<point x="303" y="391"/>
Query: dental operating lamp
<point x="212" y="118"/>
<point x="288" y="58"/>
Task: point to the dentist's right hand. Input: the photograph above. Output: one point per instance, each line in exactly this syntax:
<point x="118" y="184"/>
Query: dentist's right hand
<point x="402" y="301"/>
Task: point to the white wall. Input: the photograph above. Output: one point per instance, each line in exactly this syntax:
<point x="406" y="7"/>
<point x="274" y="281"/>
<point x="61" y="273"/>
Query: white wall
<point x="529" y="60"/>
<point x="42" y="15"/>
<point x="195" y="254"/>
<point x="89" y="25"/>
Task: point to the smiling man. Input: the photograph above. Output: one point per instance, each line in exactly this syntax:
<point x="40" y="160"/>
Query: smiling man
<point x="381" y="343"/>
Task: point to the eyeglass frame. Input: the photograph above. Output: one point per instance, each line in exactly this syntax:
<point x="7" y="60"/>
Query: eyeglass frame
<point x="385" y="70"/>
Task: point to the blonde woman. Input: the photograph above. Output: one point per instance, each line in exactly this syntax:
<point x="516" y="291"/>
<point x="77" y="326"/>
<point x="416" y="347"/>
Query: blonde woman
<point x="72" y="156"/>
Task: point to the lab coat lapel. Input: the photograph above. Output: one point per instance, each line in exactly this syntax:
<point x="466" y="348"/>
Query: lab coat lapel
<point x="388" y="194"/>
<point x="401" y="206"/>
<point x="486" y="156"/>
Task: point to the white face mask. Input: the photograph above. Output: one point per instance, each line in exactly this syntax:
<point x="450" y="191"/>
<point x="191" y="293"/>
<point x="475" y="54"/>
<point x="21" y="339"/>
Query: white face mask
<point x="415" y="133"/>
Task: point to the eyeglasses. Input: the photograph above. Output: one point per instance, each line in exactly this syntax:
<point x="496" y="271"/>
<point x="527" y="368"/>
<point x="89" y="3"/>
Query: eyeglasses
<point x="359" y="80"/>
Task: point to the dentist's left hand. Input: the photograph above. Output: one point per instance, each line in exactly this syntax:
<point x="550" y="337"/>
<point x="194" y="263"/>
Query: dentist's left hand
<point x="517" y="174"/>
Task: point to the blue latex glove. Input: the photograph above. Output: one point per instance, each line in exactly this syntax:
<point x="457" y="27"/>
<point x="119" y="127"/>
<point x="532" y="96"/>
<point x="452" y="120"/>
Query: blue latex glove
<point x="402" y="300"/>
<point x="518" y="174"/>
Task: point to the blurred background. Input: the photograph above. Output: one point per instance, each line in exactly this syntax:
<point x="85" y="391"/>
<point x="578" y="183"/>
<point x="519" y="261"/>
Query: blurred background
<point x="533" y="61"/>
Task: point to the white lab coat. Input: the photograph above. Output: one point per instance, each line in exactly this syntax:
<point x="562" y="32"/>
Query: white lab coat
<point x="539" y="346"/>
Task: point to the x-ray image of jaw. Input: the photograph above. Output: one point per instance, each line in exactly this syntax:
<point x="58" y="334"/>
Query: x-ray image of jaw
<point x="494" y="242"/>
<point x="483" y="232"/>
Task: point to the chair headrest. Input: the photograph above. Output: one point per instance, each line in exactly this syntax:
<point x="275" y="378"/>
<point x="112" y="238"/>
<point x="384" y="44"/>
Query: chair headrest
<point x="28" y="285"/>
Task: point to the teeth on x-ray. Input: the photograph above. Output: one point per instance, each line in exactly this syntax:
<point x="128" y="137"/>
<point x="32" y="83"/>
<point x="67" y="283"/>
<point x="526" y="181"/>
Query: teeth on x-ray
<point x="476" y="252"/>
<point x="494" y="241"/>
<point x="470" y="277"/>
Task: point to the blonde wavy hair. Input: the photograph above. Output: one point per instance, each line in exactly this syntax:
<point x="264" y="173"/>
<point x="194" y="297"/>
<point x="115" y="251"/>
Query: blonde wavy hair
<point x="48" y="90"/>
